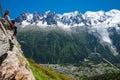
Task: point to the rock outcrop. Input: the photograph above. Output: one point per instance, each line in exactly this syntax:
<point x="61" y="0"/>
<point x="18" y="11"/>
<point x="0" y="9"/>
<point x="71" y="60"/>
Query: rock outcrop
<point x="13" y="65"/>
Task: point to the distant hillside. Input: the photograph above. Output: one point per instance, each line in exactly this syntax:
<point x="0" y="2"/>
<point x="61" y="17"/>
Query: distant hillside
<point x="54" y="45"/>
<point x="107" y="76"/>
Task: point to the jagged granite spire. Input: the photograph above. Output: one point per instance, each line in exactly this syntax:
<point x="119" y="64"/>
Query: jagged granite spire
<point x="13" y="65"/>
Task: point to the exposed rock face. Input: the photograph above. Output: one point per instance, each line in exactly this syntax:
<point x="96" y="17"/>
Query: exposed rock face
<point x="4" y="41"/>
<point x="13" y="65"/>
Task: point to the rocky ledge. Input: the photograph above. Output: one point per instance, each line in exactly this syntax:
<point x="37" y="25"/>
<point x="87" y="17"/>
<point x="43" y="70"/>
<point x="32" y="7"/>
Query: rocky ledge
<point x="13" y="64"/>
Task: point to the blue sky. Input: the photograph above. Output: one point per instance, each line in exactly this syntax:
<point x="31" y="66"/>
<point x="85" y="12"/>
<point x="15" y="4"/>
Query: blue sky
<point x="59" y="6"/>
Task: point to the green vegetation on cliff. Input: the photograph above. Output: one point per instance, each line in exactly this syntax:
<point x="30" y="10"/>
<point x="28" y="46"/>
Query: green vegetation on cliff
<point x="42" y="73"/>
<point x="55" y="45"/>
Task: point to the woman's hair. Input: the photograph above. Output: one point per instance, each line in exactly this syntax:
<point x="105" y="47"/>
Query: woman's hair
<point x="6" y="12"/>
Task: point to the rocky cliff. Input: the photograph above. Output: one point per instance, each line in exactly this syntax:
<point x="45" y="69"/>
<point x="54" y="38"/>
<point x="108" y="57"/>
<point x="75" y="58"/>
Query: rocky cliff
<point x="13" y="65"/>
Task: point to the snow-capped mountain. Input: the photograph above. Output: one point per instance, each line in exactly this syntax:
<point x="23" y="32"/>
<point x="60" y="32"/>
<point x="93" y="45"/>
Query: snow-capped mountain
<point x="69" y="19"/>
<point x="97" y="22"/>
<point x="101" y="17"/>
<point x="49" y="18"/>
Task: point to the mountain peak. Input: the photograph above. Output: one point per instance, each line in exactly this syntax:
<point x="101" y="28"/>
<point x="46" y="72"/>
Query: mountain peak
<point x="69" y="19"/>
<point x="114" y="11"/>
<point x="72" y="13"/>
<point x="47" y="12"/>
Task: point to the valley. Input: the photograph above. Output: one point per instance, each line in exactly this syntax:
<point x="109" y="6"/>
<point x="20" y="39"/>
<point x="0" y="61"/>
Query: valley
<point x="75" y="44"/>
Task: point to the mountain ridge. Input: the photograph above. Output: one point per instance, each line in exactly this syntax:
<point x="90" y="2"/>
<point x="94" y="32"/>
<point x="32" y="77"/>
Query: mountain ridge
<point x="97" y="22"/>
<point x="69" y="19"/>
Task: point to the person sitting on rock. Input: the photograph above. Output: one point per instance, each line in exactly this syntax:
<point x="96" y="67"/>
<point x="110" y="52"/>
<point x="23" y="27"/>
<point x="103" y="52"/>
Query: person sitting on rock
<point x="7" y="12"/>
<point x="6" y="17"/>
